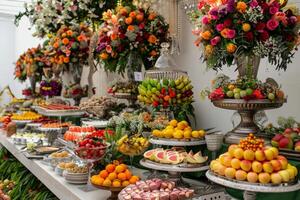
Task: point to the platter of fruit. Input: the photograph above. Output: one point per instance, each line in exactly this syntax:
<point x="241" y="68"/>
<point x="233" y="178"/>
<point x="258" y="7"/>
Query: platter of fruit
<point x="155" y="189"/>
<point x="178" y="134"/>
<point x="165" y="93"/>
<point x="54" y="126"/>
<point x="175" y="159"/>
<point x="245" y="88"/>
<point x="59" y="110"/>
<point x="253" y="164"/>
<point x="132" y="145"/>
<point x="76" y="133"/>
<point x="114" y="177"/>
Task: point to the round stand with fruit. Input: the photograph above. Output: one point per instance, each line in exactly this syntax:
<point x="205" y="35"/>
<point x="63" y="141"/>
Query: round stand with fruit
<point x="252" y="167"/>
<point x="176" y="160"/>
<point x="115" y="177"/>
<point x="247" y="96"/>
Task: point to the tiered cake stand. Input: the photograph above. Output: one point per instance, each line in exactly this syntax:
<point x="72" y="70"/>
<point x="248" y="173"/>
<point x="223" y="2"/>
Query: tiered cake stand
<point x="247" y="110"/>
<point x="175" y="171"/>
<point x="250" y="189"/>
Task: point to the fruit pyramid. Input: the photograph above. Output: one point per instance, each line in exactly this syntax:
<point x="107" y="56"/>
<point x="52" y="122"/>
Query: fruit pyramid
<point x="178" y="130"/>
<point x="252" y="162"/>
<point x="115" y="174"/>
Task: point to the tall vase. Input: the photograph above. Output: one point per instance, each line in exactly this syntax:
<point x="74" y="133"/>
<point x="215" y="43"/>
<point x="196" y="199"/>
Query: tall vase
<point x="134" y="64"/>
<point x="247" y="65"/>
<point x="32" y="81"/>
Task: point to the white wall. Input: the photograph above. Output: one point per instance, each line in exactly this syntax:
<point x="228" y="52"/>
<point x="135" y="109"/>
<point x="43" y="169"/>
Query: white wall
<point x="207" y="114"/>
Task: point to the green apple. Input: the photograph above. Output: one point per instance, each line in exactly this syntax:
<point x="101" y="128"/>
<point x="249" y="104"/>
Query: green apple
<point x="237" y="96"/>
<point x="236" y="90"/>
<point x="243" y="93"/>
<point x="249" y="91"/>
<point x="271" y="96"/>
<point x="230" y="94"/>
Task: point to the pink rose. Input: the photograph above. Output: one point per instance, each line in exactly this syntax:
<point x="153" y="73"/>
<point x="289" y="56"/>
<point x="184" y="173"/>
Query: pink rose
<point x="108" y="49"/>
<point x="215" y="40"/>
<point x="205" y="20"/>
<point x="230" y="33"/>
<point x="280" y="16"/>
<point x="272" y="24"/>
<point x="253" y="4"/>
<point x="220" y="27"/>
<point x="273" y="10"/>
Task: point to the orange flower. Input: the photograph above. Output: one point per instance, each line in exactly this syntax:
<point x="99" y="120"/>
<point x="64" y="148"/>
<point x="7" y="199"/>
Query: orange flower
<point x="66" y="59"/>
<point x="153" y="53"/>
<point x="52" y="60"/>
<point x="152" y="39"/>
<point x="231" y="48"/>
<point x="140" y="17"/>
<point x="64" y="35"/>
<point x="114" y="36"/>
<point x="128" y="20"/>
<point x="104" y="56"/>
<point x="224" y="32"/>
<point x="55" y="45"/>
<point x="81" y="37"/>
<point x="69" y="33"/>
<point x="132" y="14"/>
<point x="130" y="28"/>
<point x="152" y="16"/>
<point x="123" y="11"/>
<point x="65" y="41"/>
<point x="241" y="6"/>
<point x="206" y="35"/>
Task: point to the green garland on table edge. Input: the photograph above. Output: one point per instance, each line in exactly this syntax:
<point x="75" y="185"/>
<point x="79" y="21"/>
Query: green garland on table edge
<point x="27" y="186"/>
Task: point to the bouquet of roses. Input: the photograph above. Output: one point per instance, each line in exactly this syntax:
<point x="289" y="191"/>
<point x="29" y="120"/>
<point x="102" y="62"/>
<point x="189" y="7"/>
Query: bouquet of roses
<point x="70" y="46"/>
<point x="50" y="88"/>
<point x="31" y="64"/>
<point x="262" y="28"/>
<point x="127" y="30"/>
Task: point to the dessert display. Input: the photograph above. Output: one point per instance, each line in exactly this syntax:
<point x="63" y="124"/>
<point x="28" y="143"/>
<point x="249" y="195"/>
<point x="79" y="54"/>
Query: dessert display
<point x="250" y="161"/>
<point x="46" y="149"/>
<point x="62" y="154"/>
<point x="115" y="175"/>
<point x="56" y="125"/>
<point x="25" y="116"/>
<point x="165" y="93"/>
<point x="130" y="88"/>
<point x="181" y="131"/>
<point x="59" y="107"/>
<point x="174" y="156"/>
<point x="26" y="137"/>
<point x="155" y="189"/>
<point x="75" y="133"/>
<point x="99" y="106"/>
<point x="132" y="145"/>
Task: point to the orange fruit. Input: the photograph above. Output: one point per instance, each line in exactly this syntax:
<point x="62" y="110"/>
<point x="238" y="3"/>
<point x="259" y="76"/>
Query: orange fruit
<point x="110" y="168"/>
<point x="103" y="174"/>
<point x="116" y="183"/>
<point x="107" y="183"/>
<point x="125" y="183"/>
<point x="97" y="180"/>
<point x="133" y="179"/>
<point x="123" y="165"/>
<point x="122" y="176"/>
<point x="119" y="169"/>
<point x="116" y="162"/>
<point x="128" y="174"/>
<point x="112" y="176"/>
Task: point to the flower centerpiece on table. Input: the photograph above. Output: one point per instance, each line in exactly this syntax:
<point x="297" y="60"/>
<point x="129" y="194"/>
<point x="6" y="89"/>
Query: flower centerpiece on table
<point x="127" y="30"/>
<point x="48" y="16"/>
<point x="50" y="88"/>
<point x="247" y="29"/>
<point x="69" y="48"/>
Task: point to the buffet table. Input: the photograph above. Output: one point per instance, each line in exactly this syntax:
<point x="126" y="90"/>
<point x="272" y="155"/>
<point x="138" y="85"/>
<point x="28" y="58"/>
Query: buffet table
<point x="52" y="181"/>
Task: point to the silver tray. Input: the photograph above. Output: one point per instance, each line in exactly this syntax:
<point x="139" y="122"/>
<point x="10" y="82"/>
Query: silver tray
<point x="58" y="113"/>
<point x="175" y="142"/>
<point x="253" y="187"/>
<point x="174" y="168"/>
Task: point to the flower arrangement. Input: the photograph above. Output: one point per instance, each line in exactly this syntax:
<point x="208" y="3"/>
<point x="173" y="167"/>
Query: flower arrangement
<point x="70" y="46"/>
<point x="262" y="28"/>
<point x="244" y="88"/>
<point x="48" y="16"/>
<point x="126" y="30"/>
<point x="50" y="88"/>
<point x="75" y="91"/>
<point x="31" y="64"/>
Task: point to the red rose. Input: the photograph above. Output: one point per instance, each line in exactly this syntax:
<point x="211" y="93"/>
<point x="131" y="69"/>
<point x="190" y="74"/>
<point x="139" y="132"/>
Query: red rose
<point x="264" y="6"/>
<point x="227" y="23"/>
<point x="260" y="26"/>
<point x="264" y="35"/>
<point x="249" y="36"/>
